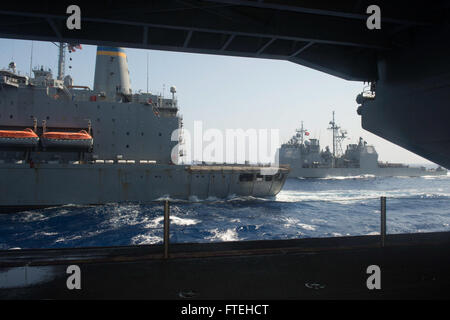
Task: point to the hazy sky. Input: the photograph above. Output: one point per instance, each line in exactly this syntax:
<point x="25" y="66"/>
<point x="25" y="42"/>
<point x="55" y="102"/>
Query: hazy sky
<point x="229" y="92"/>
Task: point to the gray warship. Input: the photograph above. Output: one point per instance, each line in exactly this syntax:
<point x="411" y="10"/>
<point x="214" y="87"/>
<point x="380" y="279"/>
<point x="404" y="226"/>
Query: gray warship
<point x="307" y="160"/>
<point x="62" y="143"/>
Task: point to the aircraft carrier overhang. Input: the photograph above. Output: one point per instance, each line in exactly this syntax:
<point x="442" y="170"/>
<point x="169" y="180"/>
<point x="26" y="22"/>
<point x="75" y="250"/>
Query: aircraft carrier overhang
<point x="330" y="36"/>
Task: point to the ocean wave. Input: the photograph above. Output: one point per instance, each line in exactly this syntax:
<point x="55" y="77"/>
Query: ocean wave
<point x="212" y="199"/>
<point x="352" y="196"/>
<point x="183" y="221"/>
<point x="304" y="208"/>
<point x="145" y="239"/>
<point x="222" y="235"/>
<point x="441" y="177"/>
<point x="362" y="176"/>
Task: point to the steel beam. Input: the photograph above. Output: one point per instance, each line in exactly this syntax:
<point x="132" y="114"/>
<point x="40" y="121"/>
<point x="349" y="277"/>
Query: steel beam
<point x="324" y="35"/>
<point x="315" y="11"/>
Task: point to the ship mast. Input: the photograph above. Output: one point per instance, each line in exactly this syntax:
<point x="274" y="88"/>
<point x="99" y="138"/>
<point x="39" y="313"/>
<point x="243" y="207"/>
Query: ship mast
<point x="338" y="136"/>
<point x="147" y="72"/>
<point x="301" y="134"/>
<point x="61" y="60"/>
<point x="334" y="127"/>
<point x="31" y="59"/>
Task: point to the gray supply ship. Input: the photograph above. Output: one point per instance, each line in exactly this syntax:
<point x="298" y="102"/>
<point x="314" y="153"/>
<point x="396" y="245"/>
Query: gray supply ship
<point x="66" y="144"/>
<point x="307" y="160"/>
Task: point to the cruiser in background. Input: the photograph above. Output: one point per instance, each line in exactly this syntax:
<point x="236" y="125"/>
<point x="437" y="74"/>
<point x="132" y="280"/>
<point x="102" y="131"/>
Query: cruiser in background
<point x="62" y="143"/>
<point x="307" y="160"/>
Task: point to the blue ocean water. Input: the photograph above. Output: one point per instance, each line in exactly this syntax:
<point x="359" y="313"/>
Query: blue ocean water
<point x="330" y="207"/>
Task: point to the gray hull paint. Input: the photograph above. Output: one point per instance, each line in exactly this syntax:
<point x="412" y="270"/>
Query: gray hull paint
<point x="307" y="160"/>
<point x="59" y="184"/>
<point x="350" y="172"/>
<point x="133" y="154"/>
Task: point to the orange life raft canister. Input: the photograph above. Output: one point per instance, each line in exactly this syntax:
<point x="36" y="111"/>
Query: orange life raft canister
<point x="80" y="139"/>
<point x="18" y="138"/>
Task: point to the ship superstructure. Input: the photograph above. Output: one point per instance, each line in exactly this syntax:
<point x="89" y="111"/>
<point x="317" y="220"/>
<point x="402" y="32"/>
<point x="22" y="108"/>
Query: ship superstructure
<point x="62" y="143"/>
<point x="307" y="160"/>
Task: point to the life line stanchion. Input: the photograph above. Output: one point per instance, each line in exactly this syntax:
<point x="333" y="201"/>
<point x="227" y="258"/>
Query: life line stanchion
<point x="166" y="229"/>
<point x="383" y="221"/>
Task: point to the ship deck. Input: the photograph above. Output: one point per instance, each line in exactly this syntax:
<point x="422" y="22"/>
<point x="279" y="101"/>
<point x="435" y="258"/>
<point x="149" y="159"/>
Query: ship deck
<point x="412" y="266"/>
<point x="234" y="168"/>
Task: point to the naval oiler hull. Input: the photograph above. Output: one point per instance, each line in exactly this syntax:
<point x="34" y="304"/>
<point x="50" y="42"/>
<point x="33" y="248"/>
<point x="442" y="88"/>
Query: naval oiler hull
<point x="22" y="186"/>
<point x="350" y="172"/>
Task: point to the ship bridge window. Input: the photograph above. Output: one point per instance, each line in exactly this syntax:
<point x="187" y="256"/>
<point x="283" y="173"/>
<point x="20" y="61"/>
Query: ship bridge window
<point x="269" y="178"/>
<point x="246" y="177"/>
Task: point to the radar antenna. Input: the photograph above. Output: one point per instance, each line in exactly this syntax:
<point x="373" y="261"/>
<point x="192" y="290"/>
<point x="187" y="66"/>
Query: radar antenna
<point x="301" y="134"/>
<point x="339" y="138"/>
<point x="339" y="135"/>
